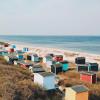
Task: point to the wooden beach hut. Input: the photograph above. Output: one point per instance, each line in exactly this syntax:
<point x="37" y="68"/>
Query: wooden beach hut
<point x="3" y="53"/>
<point x="80" y="60"/>
<point x="20" y="56"/>
<point x="33" y="57"/>
<point x="25" y="65"/>
<point x="6" y="45"/>
<point x="58" y="58"/>
<point x="56" y="68"/>
<point x="47" y="58"/>
<point x="25" y="49"/>
<point x="11" y="50"/>
<point x="13" y="46"/>
<point x="87" y="67"/>
<point x="82" y="67"/>
<point x="18" y="62"/>
<point x="10" y="59"/>
<point x="93" y="66"/>
<point x="89" y="77"/>
<point x="65" y="65"/>
<point x="45" y="79"/>
<point x="36" y="69"/>
<point x="78" y="92"/>
<point x="19" y="52"/>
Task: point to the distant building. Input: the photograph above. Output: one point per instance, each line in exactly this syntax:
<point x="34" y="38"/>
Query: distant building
<point x="78" y="92"/>
<point x="45" y="79"/>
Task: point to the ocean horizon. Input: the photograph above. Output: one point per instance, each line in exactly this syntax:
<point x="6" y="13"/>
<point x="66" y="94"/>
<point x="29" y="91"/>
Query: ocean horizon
<point x="89" y="44"/>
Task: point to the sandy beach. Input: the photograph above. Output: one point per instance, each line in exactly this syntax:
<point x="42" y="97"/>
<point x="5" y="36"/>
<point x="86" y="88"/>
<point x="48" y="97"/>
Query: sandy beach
<point x="68" y="55"/>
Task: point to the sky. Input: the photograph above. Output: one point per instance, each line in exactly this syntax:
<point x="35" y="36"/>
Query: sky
<point x="50" y="17"/>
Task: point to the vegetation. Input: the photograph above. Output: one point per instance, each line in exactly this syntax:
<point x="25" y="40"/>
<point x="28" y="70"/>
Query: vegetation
<point x="17" y="84"/>
<point x="71" y="78"/>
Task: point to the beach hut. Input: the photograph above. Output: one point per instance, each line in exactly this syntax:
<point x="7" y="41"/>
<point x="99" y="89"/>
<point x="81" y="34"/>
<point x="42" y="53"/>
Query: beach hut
<point x="58" y="58"/>
<point x="13" y="46"/>
<point x="11" y="50"/>
<point x="18" y="62"/>
<point x="33" y="57"/>
<point x="6" y="45"/>
<point x="10" y="59"/>
<point x="78" y="92"/>
<point x="19" y="52"/>
<point x="80" y="60"/>
<point x="82" y="67"/>
<point x="93" y="66"/>
<point x="45" y="79"/>
<point x="25" y="49"/>
<point x="25" y="65"/>
<point x="47" y="58"/>
<point x="56" y="68"/>
<point x="50" y="54"/>
<point x="29" y="57"/>
<point x="20" y="56"/>
<point x="90" y="77"/>
<point x="3" y="53"/>
<point x="40" y="59"/>
<point x="36" y="69"/>
<point x="65" y="65"/>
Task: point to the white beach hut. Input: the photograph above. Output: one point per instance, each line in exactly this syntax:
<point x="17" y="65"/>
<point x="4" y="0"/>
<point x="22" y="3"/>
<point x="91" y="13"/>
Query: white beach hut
<point x="45" y="79"/>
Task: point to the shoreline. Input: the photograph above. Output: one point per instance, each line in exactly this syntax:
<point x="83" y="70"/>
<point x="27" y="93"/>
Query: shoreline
<point x="68" y="54"/>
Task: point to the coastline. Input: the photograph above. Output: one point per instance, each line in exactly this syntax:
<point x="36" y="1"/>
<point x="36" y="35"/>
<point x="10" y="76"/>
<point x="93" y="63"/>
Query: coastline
<point x="68" y="54"/>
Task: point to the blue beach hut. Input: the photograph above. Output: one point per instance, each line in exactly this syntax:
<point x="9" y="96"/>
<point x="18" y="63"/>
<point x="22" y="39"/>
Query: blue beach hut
<point x="25" y="49"/>
<point x="3" y="53"/>
<point x="20" y="57"/>
<point x="13" y="46"/>
<point x="65" y="65"/>
<point x="35" y="58"/>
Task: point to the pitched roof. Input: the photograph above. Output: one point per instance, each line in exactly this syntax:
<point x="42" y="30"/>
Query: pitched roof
<point x="88" y="73"/>
<point x="80" y="88"/>
<point x="44" y="74"/>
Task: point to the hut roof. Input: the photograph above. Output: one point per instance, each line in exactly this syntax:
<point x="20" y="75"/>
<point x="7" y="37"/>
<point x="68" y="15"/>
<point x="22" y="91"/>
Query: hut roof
<point x="88" y="73"/>
<point x="38" y="69"/>
<point x="45" y="74"/>
<point x="65" y="61"/>
<point x="80" y="58"/>
<point x="93" y="64"/>
<point x="80" y="88"/>
<point x="57" y="65"/>
<point x="58" y="55"/>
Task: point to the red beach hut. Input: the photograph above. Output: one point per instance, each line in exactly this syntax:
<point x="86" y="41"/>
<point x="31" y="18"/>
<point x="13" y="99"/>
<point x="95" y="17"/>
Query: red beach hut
<point x="11" y="50"/>
<point x="90" y="77"/>
<point x="58" y="58"/>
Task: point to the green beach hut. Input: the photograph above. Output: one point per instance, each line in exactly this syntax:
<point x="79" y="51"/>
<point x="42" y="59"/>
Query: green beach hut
<point x="65" y="65"/>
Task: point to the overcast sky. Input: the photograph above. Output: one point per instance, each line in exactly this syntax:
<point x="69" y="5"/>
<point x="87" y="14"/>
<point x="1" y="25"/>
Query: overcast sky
<point x="55" y="17"/>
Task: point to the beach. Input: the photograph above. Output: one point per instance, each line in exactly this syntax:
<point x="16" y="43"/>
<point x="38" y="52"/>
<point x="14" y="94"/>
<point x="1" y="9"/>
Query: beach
<point x="67" y="54"/>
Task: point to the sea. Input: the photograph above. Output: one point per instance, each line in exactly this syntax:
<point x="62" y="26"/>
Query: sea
<point x="88" y="44"/>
